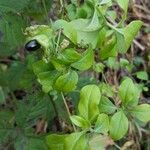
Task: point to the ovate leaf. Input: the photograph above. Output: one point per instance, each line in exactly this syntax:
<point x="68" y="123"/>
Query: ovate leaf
<point x="142" y="112"/>
<point x="67" y="82"/>
<point x="118" y="125"/>
<point x="130" y="32"/>
<point x="129" y="93"/>
<point x="143" y="75"/>
<point x="88" y="103"/>
<point x="102" y="124"/>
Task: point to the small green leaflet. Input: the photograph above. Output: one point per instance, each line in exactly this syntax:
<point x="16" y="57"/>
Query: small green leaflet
<point x="130" y="31"/>
<point x="118" y="125"/>
<point x="141" y="112"/>
<point x="143" y="75"/>
<point x="89" y="101"/>
<point x="129" y="93"/>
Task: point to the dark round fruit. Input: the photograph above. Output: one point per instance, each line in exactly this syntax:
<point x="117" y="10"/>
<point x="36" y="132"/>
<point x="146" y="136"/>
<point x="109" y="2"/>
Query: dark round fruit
<point x="32" y="45"/>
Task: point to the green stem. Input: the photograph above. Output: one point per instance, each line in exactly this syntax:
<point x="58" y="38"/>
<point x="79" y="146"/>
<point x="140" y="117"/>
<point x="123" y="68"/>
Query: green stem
<point x="58" y="40"/>
<point x="68" y="111"/>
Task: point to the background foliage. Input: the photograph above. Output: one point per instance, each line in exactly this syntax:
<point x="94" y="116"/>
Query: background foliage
<point x="31" y="117"/>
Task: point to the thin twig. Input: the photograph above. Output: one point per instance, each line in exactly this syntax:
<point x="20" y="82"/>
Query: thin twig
<point x="58" y="40"/>
<point x="68" y="111"/>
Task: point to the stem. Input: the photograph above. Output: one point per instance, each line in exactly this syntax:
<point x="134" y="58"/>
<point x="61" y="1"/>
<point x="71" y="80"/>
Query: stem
<point x="58" y="40"/>
<point x="68" y="111"/>
<point x="117" y="146"/>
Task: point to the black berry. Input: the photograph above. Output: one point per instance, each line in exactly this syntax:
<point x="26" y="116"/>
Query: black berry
<point x="32" y="45"/>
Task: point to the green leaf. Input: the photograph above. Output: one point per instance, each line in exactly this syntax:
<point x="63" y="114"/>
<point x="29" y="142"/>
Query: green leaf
<point x="102" y="124"/>
<point x="106" y="106"/>
<point x="94" y="23"/>
<point x="86" y="61"/>
<point x="130" y="32"/>
<point x="55" y="141"/>
<point x="68" y="30"/>
<point x="76" y="141"/>
<point x="129" y="93"/>
<point x="41" y="66"/>
<point x="84" y="37"/>
<point x="143" y="75"/>
<point x="46" y="79"/>
<point x="2" y="96"/>
<point x="121" y="46"/>
<point x="88" y="103"/>
<point x="99" y="142"/>
<point x="66" y="82"/>
<point x="118" y="125"/>
<point x="109" y="49"/>
<point x="80" y="122"/>
<point x="69" y="56"/>
<point x="106" y="89"/>
<point x="142" y="112"/>
<point x="58" y="64"/>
